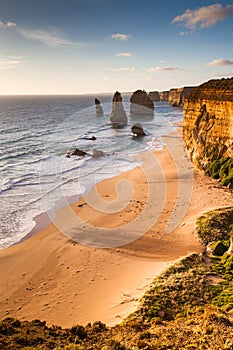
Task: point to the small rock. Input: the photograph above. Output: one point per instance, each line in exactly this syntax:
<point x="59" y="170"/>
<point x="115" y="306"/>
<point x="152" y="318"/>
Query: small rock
<point x="97" y="153"/>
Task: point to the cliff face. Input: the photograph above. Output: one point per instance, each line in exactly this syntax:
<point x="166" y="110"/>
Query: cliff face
<point x="164" y="95"/>
<point x="208" y="122"/>
<point x="176" y="97"/>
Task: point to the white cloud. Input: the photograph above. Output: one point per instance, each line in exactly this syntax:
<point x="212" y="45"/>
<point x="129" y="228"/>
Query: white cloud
<point x="123" y="69"/>
<point x="7" y="24"/>
<point x="49" y="38"/>
<point x="204" y="16"/>
<point x="9" y="62"/>
<point x="163" y="69"/>
<point x="186" y="33"/>
<point x="220" y="62"/>
<point x="124" y="54"/>
<point x="120" y="36"/>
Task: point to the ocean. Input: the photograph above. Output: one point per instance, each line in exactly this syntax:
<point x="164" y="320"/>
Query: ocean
<point x="37" y="132"/>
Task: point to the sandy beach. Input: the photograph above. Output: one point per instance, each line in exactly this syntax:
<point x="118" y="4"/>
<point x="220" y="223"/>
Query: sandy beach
<point x="52" y="277"/>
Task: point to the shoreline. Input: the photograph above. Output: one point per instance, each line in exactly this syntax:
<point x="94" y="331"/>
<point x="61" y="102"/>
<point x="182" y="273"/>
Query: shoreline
<point x="50" y="277"/>
<point x="43" y="220"/>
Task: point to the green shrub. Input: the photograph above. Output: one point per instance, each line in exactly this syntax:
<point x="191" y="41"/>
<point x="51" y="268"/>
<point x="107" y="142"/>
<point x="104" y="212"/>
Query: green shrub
<point x="221" y="169"/>
<point x="99" y="326"/>
<point x="219" y="247"/>
<point x="225" y="298"/>
<point x="226" y="173"/>
<point x="79" y="331"/>
<point x="215" y="225"/>
<point x="214" y="168"/>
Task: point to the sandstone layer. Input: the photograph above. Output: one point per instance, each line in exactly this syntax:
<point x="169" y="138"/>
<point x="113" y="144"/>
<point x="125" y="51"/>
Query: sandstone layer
<point x="208" y="121"/>
<point x="163" y="95"/>
<point x="176" y="97"/>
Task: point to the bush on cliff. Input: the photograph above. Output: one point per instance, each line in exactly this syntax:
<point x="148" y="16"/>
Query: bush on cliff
<point x="226" y="172"/>
<point x="215" y="225"/>
<point x="221" y="169"/>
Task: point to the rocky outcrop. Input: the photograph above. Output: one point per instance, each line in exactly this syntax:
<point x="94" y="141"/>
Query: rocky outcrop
<point x="176" y="97"/>
<point x="118" y="116"/>
<point x="76" y="152"/>
<point x="98" y="108"/>
<point x="208" y="122"/>
<point x="97" y="153"/>
<point x="137" y="130"/>
<point x="141" y="103"/>
<point x="154" y="95"/>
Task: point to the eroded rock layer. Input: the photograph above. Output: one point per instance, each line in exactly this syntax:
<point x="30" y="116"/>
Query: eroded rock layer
<point x="208" y="121"/>
<point x="176" y="97"/>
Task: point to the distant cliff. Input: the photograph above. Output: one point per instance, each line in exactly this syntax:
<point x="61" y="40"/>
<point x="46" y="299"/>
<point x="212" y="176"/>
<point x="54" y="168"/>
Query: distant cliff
<point x="176" y="97"/>
<point x="208" y="121"/>
<point x="164" y="95"/>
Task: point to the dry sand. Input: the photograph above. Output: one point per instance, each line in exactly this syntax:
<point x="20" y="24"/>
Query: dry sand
<point x="52" y="278"/>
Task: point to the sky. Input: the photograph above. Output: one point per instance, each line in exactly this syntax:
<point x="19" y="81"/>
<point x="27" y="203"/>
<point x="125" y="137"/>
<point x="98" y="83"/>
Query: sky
<point x="100" y="46"/>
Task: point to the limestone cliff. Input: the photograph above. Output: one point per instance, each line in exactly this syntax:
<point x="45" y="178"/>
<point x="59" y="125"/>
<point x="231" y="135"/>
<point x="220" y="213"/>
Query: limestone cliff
<point x="176" y="97"/>
<point x="164" y="95"/>
<point x="208" y="121"/>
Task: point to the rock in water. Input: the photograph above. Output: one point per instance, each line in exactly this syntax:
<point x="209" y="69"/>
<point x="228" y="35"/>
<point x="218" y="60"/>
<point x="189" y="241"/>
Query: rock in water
<point x="137" y="130"/>
<point x="98" y="108"/>
<point x="118" y="116"/>
<point x="93" y="138"/>
<point x="141" y="103"/>
<point x="97" y="153"/>
<point x="76" y="152"/>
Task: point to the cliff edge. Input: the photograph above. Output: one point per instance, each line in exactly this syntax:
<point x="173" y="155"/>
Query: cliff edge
<point x="208" y="122"/>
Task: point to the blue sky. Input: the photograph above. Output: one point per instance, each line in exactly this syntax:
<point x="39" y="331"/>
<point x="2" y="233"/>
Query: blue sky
<point x="97" y="46"/>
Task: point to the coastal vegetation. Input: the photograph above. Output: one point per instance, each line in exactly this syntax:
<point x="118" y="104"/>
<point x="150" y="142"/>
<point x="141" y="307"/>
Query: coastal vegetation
<point x="221" y="169"/>
<point x="190" y="306"/>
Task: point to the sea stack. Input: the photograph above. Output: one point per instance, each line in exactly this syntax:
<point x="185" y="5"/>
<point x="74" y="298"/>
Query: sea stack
<point x="141" y="104"/>
<point x="154" y="95"/>
<point x="118" y="116"/>
<point x="98" y="108"/>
